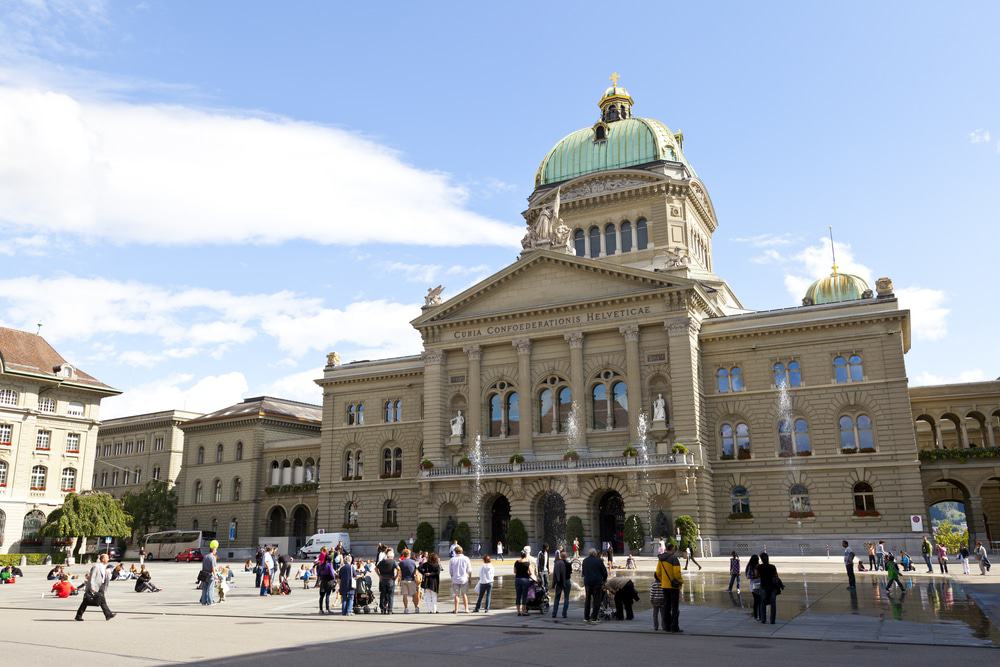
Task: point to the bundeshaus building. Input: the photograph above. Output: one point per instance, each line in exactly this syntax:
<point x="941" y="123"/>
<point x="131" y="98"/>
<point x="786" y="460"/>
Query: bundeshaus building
<point x="611" y="371"/>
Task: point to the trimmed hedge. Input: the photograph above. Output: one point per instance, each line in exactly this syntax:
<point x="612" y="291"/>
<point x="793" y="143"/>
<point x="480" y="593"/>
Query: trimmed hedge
<point x="960" y="455"/>
<point x="15" y="559"/>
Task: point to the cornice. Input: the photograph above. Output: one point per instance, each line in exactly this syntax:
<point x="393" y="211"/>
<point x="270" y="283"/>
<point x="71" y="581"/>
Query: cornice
<point x="368" y="375"/>
<point x="770" y="330"/>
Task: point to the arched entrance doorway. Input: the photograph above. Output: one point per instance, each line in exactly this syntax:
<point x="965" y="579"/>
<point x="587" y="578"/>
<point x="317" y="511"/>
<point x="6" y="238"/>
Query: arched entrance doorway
<point x="499" y="515"/>
<point x="948" y="505"/>
<point x="300" y="524"/>
<point x="550" y="519"/>
<point x="611" y="521"/>
<point x="277" y="521"/>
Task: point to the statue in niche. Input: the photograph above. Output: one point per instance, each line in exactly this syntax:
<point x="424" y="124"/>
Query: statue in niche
<point x="659" y="409"/>
<point x="449" y="529"/>
<point x="458" y="425"/>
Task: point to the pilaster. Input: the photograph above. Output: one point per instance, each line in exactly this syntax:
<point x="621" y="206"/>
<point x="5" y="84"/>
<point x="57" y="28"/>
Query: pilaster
<point x="474" y="424"/>
<point x="578" y="384"/>
<point x="525" y="403"/>
<point x="433" y="406"/>
<point x="631" y="334"/>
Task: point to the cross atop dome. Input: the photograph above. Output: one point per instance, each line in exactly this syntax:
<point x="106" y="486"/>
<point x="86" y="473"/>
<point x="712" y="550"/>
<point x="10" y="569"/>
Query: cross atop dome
<point x="616" y="103"/>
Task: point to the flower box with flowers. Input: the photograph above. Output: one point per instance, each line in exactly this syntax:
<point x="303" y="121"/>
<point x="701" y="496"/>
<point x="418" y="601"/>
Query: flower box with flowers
<point x="740" y="516"/>
<point x="726" y="457"/>
<point x="743" y="454"/>
<point x="867" y="513"/>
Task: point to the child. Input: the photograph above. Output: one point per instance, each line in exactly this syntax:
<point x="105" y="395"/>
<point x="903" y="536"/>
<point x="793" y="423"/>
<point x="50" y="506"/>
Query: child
<point x="221" y="587"/>
<point x="656" y="601"/>
<point x="905" y="561"/>
<point x="892" y="569"/>
<point x="630" y="562"/>
<point x="306" y="575"/>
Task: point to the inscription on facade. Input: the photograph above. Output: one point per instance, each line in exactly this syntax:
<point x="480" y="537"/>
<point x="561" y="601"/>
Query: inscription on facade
<point x="554" y="322"/>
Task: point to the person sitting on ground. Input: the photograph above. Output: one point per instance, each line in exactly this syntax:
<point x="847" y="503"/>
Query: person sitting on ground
<point x="55" y="573"/>
<point x="144" y="583"/>
<point x="905" y="561"/>
<point x="630" y="562"/>
<point x="121" y="574"/>
<point x="62" y="588"/>
<point x="623" y="590"/>
<point x="248" y="566"/>
<point x="134" y="571"/>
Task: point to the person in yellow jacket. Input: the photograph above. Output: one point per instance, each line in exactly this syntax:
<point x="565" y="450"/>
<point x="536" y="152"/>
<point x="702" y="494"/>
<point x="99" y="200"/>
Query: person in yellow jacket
<point x="668" y="573"/>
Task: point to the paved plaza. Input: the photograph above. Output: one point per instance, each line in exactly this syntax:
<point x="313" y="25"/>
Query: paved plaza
<point x="935" y="618"/>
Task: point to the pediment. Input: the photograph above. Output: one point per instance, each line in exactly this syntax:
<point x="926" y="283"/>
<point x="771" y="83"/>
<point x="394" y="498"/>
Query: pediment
<point x="548" y="280"/>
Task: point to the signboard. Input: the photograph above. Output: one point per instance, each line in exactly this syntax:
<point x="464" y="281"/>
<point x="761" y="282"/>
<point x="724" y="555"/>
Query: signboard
<point x="107" y="540"/>
<point x="917" y="523"/>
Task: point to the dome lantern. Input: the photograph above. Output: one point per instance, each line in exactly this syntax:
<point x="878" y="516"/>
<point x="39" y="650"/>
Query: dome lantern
<point x="616" y="103"/>
<point x="837" y="286"/>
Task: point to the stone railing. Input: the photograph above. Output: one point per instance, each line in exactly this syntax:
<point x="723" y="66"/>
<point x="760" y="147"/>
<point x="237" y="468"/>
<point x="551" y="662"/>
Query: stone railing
<point x="655" y="461"/>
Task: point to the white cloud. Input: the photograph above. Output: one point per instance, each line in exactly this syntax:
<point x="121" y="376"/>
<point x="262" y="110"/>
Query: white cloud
<point x="980" y="136"/>
<point x="928" y="316"/>
<point x="159" y="174"/>
<point x="768" y="240"/>
<point x="34" y="245"/>
<point x="973" y="375"/>
<point x="178" y="391"/>
<point x="429" y="273"/>
<point x="299" y="386"/>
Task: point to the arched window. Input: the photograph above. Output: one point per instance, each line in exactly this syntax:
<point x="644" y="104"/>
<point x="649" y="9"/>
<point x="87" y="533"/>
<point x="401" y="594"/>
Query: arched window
<point x="298" y="472"/>
<point x="201" y="455"/>
<point x="397" y="462"/>
<point x="217" y="493"/>
<point x="866" y="435"/>
<point x="793" y="438"/>
<point x="864" y="499"/>
<point x="780" y="378"/>
<point x="194" y="524"/>
<point x="794" y="374"/>
<point x="32" y="525"/>
<point x="579" y="243"/>
<point x="595" y="241"/>
<point x="642" y="236"/>
<point x="856" y="434"/>
<point x="599" y="406"/>
<point x="237" y="489"/>
<point x="239" y="451"/>
<point x="610" y="244"/>
<point x="496" y="416"/>
<point x="359" y="464"/>
<point x="736" y="378"/>
<point x="348" y="465"/>
<point x="798" y="499"/>
<point x="857" y="370"/>
<point x="38" y="475"/>
<point x="219" y="451"/>
<point x="601" y="133"/>
<point x="388" y="412"/>
<point x="729" y="379"/>
<point x="722" y="380"/>
<point x="609" y="401"/>
<point x="735" y="440"/>
<point x="310" y="471"/>
<point x="68" y="480"/>
<point x="847" y="370"/>
<point x="848" y="438"/>
<point x="513" y="414"/>
<point x="546" y="411"/>
<point x="198" y="499"/>
<point x="3" y="474"/>
<point x="564" y="407"/>
<point x="390" y="518"/>
<point x="803" y="446"/>
<point x="386" y="462"/>
<point x="728" y="442"/>
<point x="351" y="514"/>
<point x="742" y="441"/>
<point x="840" y="370"/>
<point x="626" y="236"/>
<point x="215" y="526"/>
<point x="619" y="404"/>
<point x="156" y="472"/>
<point x="740" y="501"/>
<point x="350" y="415"/>
<point x="399" y="410"/>
<point x="360" y="414"/>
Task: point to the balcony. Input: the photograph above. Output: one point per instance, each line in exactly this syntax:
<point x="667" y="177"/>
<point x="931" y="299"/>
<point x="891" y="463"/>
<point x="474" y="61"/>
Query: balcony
<point x="584" y="464"/>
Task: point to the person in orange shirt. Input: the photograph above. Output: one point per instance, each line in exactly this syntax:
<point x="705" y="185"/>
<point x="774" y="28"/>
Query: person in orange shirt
<point x="63" y="588"/>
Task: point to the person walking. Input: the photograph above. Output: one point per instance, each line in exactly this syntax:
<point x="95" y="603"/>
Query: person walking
<point x="770" y="586"/>
<point x="963" y="557"/>
<point x="347" y="577"/>
<point x="499" y="551"/>
<point x="95" y="593"/>
<point x="942" y="558"/>
<point x="327" y="577"/>
<point x="258" y="569"/>
<point x="431" y="581"/>
<point x="734" y="572"/>
<point x="984" y="560"/>
<point x="595" y="573"/>
<point x="849" y="564"/>
<point x="753" y="576"/>
<point x="880" y="555"/>
<point x="892" y="570"/>
<point x="925" y="551"/>
<point x="388" y="573"/>
<point x="524" y="572"/>
<point x="267" y="571"/>
<point x="485" y="585"/>
<point x="460" y="568"/>
<point x="871" y="555"/>
<point x="208" y="575"/>
<point x="576" y="547"/>
<point x="689" y="557"/>
<point x="142" y="556"/>
<point x="561" y="582"/>
<point x="408" y="581"/>
<point x="668" y="573"/>
<point x="542" y="566"/>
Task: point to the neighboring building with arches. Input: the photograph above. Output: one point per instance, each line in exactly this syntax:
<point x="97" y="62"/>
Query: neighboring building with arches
<point x="49" y="417"/>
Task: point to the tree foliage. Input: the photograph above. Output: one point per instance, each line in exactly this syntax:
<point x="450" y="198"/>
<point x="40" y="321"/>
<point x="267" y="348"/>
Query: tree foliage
<point x="155" y="505"/>
<point x="574" y="530"/>
<point x="90" y="514"/>
<point x="517" y="535"/>
<point x="400" y="547"/>
<point x="635" y="535"/>
<point x="463" y="536"/>
<point x="688" y="529"/>
<point x="424" y="540"/>
<point x="951" y="536"/>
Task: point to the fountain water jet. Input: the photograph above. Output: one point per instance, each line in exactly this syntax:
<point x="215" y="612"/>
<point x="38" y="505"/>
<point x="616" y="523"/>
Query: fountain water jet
<point x="643" y="449"/>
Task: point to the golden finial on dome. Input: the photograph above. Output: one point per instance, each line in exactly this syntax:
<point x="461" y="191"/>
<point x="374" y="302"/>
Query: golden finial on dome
<point x="614" y="79"/>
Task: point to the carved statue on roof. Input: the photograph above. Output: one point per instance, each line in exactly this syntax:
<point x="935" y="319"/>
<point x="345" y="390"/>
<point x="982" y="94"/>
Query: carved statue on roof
<point x="433" y="297"/>
<point x="548" y="230"/>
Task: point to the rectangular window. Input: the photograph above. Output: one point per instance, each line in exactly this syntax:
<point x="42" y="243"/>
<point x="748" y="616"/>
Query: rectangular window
<point x="74" y="409"/>
<point x="158" y="445"/>
<point x="114" y="478"/>
<point x="72" y="443"/>
<point x="140" y="446"/>
<point x="6" y="433"/>
<point x="43" y="441"/>
<point x="129" y="446"/>
<point x="8" y="397"/>
<point x="46" y="405"/>
<point x="107" y="450"/>
<point x="118" y="449"/>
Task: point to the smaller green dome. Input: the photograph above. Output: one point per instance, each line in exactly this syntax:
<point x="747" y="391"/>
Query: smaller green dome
<point x="835" y="288"/>
<point x="615" y="91"/>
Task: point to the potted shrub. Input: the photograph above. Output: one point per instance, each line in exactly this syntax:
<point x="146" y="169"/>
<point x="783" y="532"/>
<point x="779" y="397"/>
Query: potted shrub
<point x="743" y="453"/>
<point x="516" y="459"/>
<point x="571" y="457"/>
<point x="630" y="453"/>
<point x="425" y="467"/>
<point x="680" y="448"/>
<point x="466" y="463"/>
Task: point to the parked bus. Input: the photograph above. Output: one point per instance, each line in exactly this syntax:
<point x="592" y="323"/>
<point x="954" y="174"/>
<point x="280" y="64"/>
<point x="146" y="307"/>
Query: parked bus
<point x="167" y="544"/>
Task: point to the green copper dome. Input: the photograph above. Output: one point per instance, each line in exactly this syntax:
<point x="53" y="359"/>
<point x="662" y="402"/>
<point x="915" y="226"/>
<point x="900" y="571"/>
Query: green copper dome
<point x="836" y="287"/>
<point x="627" y="142"/>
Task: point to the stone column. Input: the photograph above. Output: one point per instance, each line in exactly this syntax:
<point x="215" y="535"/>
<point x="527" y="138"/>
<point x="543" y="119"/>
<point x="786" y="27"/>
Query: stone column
<point x="578" y="384"/>
<point x="635" y="236"/>
<point x="434" y="417"/>
<point x="604" y="249"/>
<point x="685" y="379"/>
<point x="990" y="438"/>
<point x="631" y="333"/>
<point x="963" y="435"/>
<point x="618" y="238"/>
<point x="586" y="244"/>
<point x="474" y="410"/>
<point x="525" y="390"/>
<point x="975" y="520"/>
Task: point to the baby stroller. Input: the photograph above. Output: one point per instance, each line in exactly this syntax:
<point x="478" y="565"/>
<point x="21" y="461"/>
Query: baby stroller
<point x="537" y="598"/>
<point x="363" y="595"/>
<point x="607" y="610"/>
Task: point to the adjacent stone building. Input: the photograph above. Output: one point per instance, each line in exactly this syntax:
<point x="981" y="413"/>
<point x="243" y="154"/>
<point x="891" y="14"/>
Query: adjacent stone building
<point x="49" y="412"/>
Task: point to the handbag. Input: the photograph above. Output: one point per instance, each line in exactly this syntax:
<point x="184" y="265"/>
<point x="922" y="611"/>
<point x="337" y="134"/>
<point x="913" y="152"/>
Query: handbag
<point x="266" y="581"/>
<point x="202" y="576"/>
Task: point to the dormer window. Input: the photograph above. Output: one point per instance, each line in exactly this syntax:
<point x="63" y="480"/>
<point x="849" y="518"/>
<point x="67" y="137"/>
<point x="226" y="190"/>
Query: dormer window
<point x="600" y="132"/>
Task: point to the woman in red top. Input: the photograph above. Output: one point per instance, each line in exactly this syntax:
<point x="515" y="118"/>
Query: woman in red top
<point x="63" y="588"/>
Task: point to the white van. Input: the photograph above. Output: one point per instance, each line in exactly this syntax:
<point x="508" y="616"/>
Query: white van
<point x="313" y="544"/>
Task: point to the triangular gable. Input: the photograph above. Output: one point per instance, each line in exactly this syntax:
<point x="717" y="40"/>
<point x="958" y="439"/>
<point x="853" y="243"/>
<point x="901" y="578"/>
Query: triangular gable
<point x="546" y="279"/>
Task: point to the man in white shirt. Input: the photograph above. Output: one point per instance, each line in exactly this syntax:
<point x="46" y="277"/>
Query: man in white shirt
<point x="267" y="563"/>
<point x="849" y="564"/>
<point x="459" y="567"/>
<point x="97" y="588"/>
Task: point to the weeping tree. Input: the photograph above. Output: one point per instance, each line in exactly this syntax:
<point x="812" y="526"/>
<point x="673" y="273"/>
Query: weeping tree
<point x="155" y="505"/>
<point x="88" y="514"/>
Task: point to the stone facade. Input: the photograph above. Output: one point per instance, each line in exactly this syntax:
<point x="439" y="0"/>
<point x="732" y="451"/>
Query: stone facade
<point x="132" y="451"/>
<point x="49" y="416"/>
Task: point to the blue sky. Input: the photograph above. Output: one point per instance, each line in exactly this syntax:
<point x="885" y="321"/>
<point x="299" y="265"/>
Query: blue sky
<point x="201" y="199"/>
